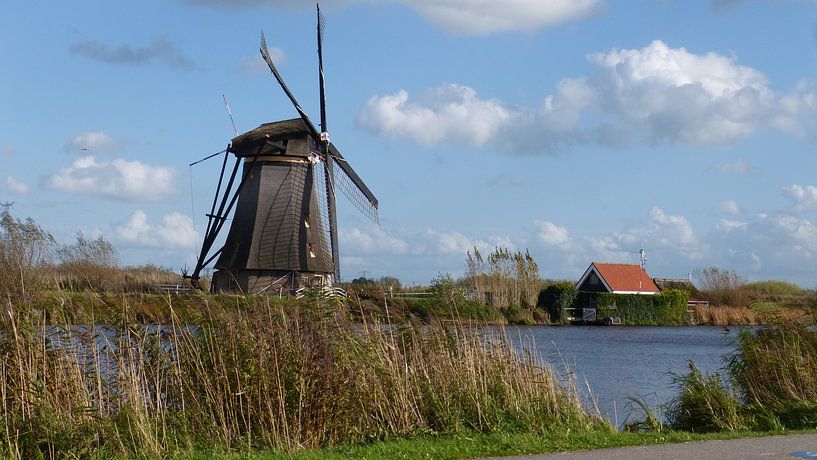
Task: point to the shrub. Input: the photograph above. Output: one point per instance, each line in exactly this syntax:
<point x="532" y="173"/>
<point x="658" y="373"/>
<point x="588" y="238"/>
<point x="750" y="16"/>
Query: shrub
<point x="556" y="299"/>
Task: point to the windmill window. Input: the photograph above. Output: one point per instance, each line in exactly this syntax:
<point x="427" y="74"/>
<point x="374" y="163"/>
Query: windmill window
<point x="311" y="247"/>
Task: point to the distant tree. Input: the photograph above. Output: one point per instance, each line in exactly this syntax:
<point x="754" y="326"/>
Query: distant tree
<point x="362" y="282"/>
<point x="723" y="287"/>
<point x="389" y="282"/>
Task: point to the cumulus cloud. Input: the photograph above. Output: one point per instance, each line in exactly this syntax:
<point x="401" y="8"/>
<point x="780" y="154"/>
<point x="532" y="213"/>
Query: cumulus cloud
<point x="92" y="141"/>
<point x="462" y="17"/>
<point x="15" y="186"/>
<point x="730" y="207"/>
<point x="802" y="232"/>
<point x="371" y="241"/>
<point x="795" y="111"/>
<point x="174" y="232"/>
<point x="159" y="50"/>
<point x="728" y="225"/>
<point x="449" y="113"/>
<point x="656" y="93"/>
<point x="674" y="95"/>
<point x="117" y="179"/>
<point x="666" y="236"/>
<point x="482" y="17"/>
<point x="551" y="234"/>
<point x="803" y="197"/>
<point x="366" y="242"/>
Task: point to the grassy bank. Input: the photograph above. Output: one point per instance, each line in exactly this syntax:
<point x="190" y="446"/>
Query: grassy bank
<point x="262" y="375"/>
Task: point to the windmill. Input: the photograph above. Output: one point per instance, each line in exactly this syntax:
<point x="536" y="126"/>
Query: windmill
<point x="284" y="232"/>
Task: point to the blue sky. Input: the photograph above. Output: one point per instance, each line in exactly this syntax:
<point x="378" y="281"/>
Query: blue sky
<point x="582" y="130"/>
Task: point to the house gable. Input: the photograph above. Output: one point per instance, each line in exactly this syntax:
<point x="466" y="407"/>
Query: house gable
<point x="591" y="281"/>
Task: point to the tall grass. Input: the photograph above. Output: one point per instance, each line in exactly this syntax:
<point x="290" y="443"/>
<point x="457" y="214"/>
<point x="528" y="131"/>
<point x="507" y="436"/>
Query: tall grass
<point x="705" y="403"/>
<point x="771" y="384"/>
<point x="776" y="369"/>
<point x="280" y="375"/>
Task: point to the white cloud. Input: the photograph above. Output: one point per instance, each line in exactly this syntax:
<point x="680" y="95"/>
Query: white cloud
<point x="679" y="96"/>
<point x="551" y="234"/>
<point x="804" y="197"/>
<point x="370" y="241"/>
<point x="93" y="142"/>
<point x="118" y="179"/>
<point x="463" y="17"/>
<point x="672" y="230"/>
<point x="796" y="111"/>
<point x="434" y="242"/>
<point x="730" y="207"/>
<point x="728" y="225"/>
<point x="665" y="236"/>
<point x="174" y="232"/>
<point x="657" y="93"/>
<point x="738" y="167"/>
<point x="15" y="186"/>
<point x="482" y="17"/>
<point x="448" y="113"/>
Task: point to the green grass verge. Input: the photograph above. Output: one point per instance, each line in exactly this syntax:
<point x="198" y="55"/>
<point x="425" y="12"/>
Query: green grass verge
<point x="482" y="445"/>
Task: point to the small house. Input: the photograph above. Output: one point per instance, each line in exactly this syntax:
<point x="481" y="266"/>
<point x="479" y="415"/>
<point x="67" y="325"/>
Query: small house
<point x="617" y="279"/>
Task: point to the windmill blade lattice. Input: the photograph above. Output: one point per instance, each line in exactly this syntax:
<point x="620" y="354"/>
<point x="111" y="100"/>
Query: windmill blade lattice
<point x="353" y="192"/>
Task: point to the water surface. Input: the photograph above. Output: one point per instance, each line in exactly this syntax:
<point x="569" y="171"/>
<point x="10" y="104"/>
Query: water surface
<point x="621" y="361"/>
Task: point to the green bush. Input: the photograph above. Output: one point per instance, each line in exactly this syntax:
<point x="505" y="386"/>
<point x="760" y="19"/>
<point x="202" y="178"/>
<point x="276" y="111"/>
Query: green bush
<point x="556" y="299"/>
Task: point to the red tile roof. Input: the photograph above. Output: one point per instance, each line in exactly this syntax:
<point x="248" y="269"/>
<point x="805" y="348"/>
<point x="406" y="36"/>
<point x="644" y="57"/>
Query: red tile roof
<point x="626" y="277"/>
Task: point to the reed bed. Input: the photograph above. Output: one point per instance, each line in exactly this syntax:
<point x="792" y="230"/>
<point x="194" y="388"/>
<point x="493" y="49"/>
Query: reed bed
<point x="283" y="375"/>
<point x="770" y="384"/>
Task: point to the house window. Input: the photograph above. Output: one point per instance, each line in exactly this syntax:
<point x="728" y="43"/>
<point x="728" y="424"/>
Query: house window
<point x="311" y="247"/>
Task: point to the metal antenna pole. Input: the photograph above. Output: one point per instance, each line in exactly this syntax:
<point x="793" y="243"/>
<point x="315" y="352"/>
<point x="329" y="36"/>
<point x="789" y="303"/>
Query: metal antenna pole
<point x="6" y="206"/>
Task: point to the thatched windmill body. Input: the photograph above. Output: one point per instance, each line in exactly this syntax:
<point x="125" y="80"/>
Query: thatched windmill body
<point x="283" y="233"/>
